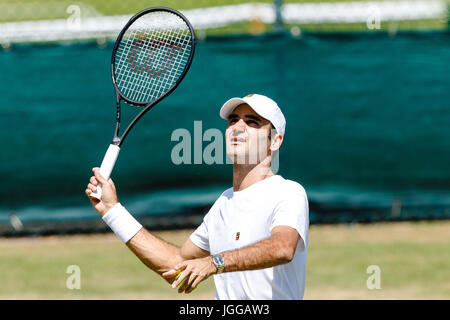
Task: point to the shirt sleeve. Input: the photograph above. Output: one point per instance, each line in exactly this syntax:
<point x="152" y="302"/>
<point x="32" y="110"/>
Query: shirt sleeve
<point x="293" y="211"/>
<point x="200" y="236"/>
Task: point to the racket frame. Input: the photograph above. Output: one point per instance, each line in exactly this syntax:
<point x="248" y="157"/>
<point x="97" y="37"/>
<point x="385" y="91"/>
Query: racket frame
<point x="114" y="148"/>
<point x="118" y="140"/>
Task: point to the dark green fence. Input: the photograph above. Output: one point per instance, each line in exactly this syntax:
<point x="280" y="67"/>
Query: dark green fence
<point x="368" y="128"/>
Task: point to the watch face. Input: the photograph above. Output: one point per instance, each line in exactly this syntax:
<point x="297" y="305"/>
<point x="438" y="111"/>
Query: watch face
<point x="218" y="261"/>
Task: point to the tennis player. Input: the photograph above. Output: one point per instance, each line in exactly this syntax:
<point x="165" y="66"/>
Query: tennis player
<point x="254" y="238"/>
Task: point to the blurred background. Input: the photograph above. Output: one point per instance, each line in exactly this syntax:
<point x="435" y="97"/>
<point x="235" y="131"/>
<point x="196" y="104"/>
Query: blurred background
<point x="364" y="87"/>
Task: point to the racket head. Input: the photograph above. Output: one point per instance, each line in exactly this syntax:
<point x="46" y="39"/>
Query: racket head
<point x="151" y="56"/>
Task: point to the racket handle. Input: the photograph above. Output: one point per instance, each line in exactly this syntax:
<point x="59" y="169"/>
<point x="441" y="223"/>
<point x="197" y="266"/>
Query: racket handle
<point x="106" y="168"/>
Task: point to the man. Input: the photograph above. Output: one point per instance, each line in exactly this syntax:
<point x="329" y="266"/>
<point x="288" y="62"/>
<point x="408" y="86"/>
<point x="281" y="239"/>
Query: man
<point x="253" y="239"/>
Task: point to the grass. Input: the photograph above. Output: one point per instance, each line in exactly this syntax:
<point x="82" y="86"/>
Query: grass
<point x="413" y="257"/>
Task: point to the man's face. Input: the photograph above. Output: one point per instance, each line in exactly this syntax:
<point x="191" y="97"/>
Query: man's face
<point x="247" y="136"/>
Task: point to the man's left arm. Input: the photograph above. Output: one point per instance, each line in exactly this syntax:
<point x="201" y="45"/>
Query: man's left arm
<point x="276" y="250"/>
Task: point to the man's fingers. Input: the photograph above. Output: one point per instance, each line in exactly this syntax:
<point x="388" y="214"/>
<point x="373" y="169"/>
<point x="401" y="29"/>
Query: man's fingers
<point x="98" y="176"/>
<point x="169" y="274"/>
<point x="194" y="285"/>
<point x="93" y="180"/>
<point x="94" y="201"/>
<point x="189" y="284"/>
<point x="92" y="187"/>
<point x="185" y="284"/>
<point x="174" y="271"/>
<point x="180" y="279"/>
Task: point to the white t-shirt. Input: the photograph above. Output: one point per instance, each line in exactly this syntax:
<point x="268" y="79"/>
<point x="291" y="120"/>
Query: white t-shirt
<point x="239" y="219"/>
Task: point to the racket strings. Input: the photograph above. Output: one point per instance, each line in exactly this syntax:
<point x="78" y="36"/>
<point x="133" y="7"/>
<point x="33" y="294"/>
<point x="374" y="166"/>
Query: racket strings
<point x="151" y="56"/>
<point x="163" y="68"/>
<point x="160" y="62"/>
<point x="137" y="84"/>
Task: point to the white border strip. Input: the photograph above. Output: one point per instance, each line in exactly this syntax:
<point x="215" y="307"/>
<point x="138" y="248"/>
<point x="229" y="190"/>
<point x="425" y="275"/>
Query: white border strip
<point x="206" y="18"/>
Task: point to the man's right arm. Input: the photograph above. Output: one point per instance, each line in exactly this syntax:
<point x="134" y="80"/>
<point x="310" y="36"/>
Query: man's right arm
<point x="159" y="255"/>
<point x="155" y="253"/>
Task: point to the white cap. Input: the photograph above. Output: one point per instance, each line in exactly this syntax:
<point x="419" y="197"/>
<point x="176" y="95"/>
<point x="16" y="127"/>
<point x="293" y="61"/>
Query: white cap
<point x="264" y="106"/>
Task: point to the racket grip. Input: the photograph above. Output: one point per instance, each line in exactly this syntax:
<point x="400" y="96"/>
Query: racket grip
<point x="106" y="168"/>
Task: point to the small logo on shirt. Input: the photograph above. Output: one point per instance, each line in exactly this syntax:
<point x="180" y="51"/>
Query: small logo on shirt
<point x="237" y="235"/>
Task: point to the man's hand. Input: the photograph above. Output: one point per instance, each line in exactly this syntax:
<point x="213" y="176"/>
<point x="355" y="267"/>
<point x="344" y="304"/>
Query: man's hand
<point x="109" y="194"/>
<point x="192" y="271"/>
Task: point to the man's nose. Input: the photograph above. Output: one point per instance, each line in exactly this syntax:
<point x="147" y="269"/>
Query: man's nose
<point x="239" y="126"/>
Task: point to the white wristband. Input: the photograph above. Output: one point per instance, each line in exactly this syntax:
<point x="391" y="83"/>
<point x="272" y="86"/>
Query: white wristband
<point x="121" y="222"/>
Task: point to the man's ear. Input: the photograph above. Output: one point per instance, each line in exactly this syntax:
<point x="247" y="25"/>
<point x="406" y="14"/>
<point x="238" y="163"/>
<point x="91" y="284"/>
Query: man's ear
<point x="276" y="141"/>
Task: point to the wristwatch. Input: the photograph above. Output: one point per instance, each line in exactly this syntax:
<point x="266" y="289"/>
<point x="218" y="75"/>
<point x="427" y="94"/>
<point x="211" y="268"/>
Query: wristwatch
<point x="219" y="262"/>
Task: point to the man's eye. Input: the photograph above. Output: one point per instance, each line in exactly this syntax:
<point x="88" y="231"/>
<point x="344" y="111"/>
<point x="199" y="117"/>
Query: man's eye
<point x="232" y="121"/>
<point x="252" y="122"/>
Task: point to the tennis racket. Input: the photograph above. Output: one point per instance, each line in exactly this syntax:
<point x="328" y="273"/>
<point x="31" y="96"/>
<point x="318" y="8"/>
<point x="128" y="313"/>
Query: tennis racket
<point x="151" y="56"/>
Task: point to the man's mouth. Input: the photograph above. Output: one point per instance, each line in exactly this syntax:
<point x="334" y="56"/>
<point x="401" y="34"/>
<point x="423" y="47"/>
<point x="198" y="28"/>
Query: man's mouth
<point x="237" y="139"/>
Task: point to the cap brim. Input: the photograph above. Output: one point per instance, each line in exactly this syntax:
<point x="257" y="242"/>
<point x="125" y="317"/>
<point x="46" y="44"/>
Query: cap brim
<point x="229" y="106"/>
